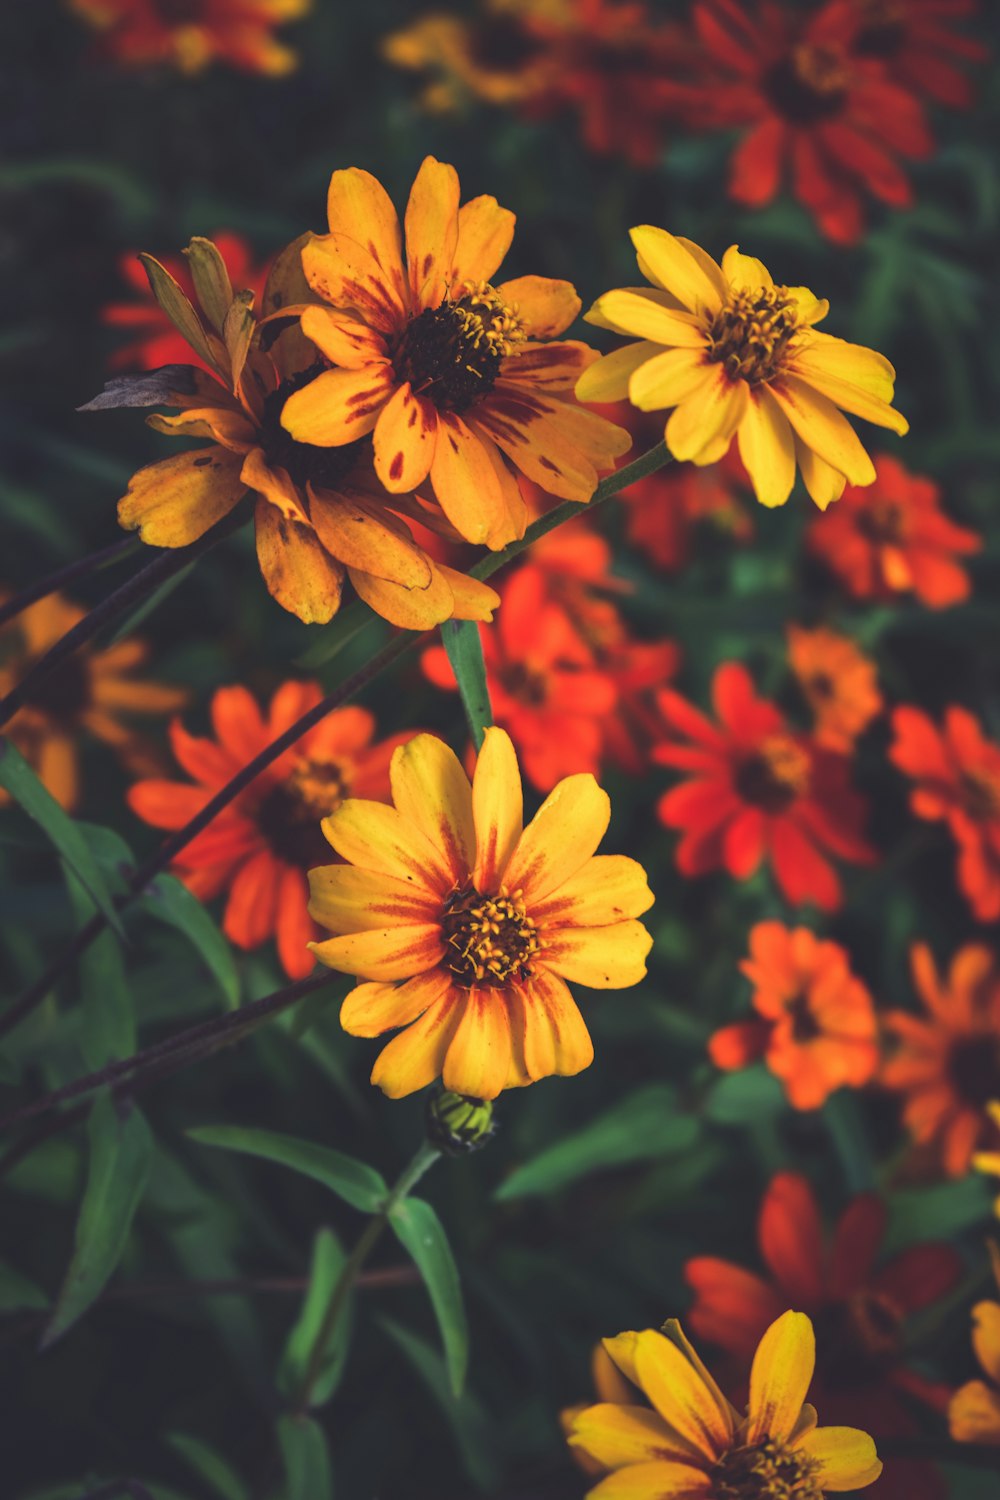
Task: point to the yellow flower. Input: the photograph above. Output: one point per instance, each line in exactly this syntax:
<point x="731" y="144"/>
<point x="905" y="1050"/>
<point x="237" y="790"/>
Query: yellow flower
<point x="974" y="1412"/>
<point x="449" y="372"/>
<point x="735" y="355"/>
<point x="467" y="925"/>
<point x="694" y="1444"/>
<point x="989" y="1161"/>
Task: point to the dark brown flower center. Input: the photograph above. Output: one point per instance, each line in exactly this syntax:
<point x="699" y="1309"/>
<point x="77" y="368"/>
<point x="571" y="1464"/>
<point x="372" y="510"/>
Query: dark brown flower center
<point x="809" y="84"/>
<point x="858" y="1338"/>
<point x="774" y="775"/>
<point x="490" y="939"/>
<point x="974" y="1070"/>
<point x="290" y="814"/>
<point x="452" y="354"/>
<point x="500" y="44"/>
<point x="883" y="522"/>
<point x="820" y="685"/>
<point x="525" y="684"/>
<point x="752" y="331"/>
<point x="981" y="794"/>
<point x="765" y="1471"/>
<point x="64" y="694"/>
<point x="805" y="1027"/>
<point x="323" y="468"/>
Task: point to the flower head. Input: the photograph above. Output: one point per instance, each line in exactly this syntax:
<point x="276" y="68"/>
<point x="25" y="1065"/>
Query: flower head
<point x="817" y="1030"/>
<point x="465" y="926"/>
<point x="956" y="775"/>
<point x="947" y="1062"/>
<point x="93" y="692"/>
<point x="893" y="538"/>
<point x="191" y="34"/>
<point x="974" y="1413"/>
<point x="839" y="683"/>
<point x="690" y="1442"/>
<point x="738" y="356"/>
<point x="457" y="378"/>
<point x="758" y="790"/>
<point x="259" y="849"/>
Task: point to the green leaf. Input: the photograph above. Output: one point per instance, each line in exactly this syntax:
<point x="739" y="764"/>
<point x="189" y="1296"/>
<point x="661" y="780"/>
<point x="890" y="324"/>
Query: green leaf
<point x="328" y="1261"/>
<point x="108" y="1029"/>
<point x="169" y="901"/>
<point x="211" y="281"/>
<point x="468" y="1422"/>
<point x="420" y="1231"/>
<point x="331" y="639"/>
<point x="17" y="777"/>
<point x="121" y="1151"/>
<point x="938" y="1212"/>
<point x="642" y="1126"/>
<point x="464" y="646"/>
<point x="178" y="309"/>
<point x="307" y="1462"/>
<point x="150" y="604"/>
<point x="742" y="1098"/>
<point x="354" y="1181"/>
<point x="209" y="1465"/>
<point x="18" y="1294"/>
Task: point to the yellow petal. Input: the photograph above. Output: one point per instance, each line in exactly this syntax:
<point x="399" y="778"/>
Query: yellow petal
<point x="780" y="1377"/>
<point x="672" y="267"/>
<point x="602" y="958"/>
<point x="359" y="207"/>
<point x="338" y="406"/>
<point x="974" y="1414"/>
<point x="275" y="485"/>
<point x="621" y="1351"/>
<point x="478" y="1058"/>
<point x="383" y="952"/>
<point x="471" y="600"/>
<point x="745" y="273"/>
<point x="847" y="1457"/>
<point x="354" y="533"/>
<point x="702" y="427"/>
<point x="553" y="1034"/>
<point x="299" y="572"/>
<point x="498" y="808"/>
<point x="545" y="307"/>
<point x="667" y="379"/>
<point x="176" y="501"/>
<point x="767" y="447"/>
<point x="607" y="379"/>
<point x="560" y="838"/>
<point x="851" y="362"/>
<point x="858" y="402"/>
<point x="415" y="1058"/>
<point x="680" y="1395"/>
<point x="375" y="837"/>
<point x="432" y="231"/>
<point x="341" y="271"/>
<point x="986" y="1337"/>
<point x="405" y="440"/>
<point x="662" y="1480"/>
<point x="343" y="898"/>
<point x="609" y="888"/>
<point x="822" y="428"/>
<point x="371" y="1009"/>
<point x="345" y="341"/>
<point x="431" y="790"/>
<point x="410" y="609"/>
<point x="618" y="1435"/>
<point x="485" y="232"/>
<point x="465" y="481"/>
<point x="230" y="428"/>
<point x="642" y="314"/>
<point x="824" y="483"/>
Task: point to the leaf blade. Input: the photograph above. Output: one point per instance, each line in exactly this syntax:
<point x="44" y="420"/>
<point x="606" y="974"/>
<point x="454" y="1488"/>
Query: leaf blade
<point x="422" y="1235"/>
<point x="464" y="645"/>
<point x="352" y="1180"/>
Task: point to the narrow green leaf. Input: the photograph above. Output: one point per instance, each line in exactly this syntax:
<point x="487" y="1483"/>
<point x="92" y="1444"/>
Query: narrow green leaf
<point x="121" y="1151"/>
<point x="464" y="646"/>
<point x="17" y="777"/>
<point x="328" y="1261"/>
<point x="307" y="1461"/>
<point x="939" y="1212"/>
<point x="354" y="1181"/>
<point x="643" y="1126"/>
<point x="420" y="1231"/>
<point x="471" y="1429"/>
<point x="18" y="1294"/>
<point x="169" y="901"/>
<point x="210" y="1466"/>
<point x="108" y="1029"/>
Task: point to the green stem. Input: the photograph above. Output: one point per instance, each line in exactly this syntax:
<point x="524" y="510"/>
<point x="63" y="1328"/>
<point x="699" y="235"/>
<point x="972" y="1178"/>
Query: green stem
<point x="425" y="1158"/>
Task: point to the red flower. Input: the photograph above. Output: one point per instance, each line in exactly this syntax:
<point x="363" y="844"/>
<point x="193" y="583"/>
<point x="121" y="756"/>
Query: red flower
<point x="858" y="1306"/>
<point x="759" y="790"/>
<point x="957" y="774"/>
<point x="915" y="42"/>
<point x="892" y="537"/>
<point x="155" y="340"/>
<point x="811" y="108"/>
<point x="191" y="34"/>
<point x="261" y="846"/>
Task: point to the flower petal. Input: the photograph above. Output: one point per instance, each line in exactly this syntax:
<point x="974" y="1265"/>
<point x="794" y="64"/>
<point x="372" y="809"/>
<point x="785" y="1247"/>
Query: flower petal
<point x="375" y="837"/>
<point x="615" y="1435"/>
<point x="432" y="231"/>
<point x="662" y="1480"/>
<point x="353" y="532"/>
<point x="299" y="572"/>
<point x="602" y="958"/>
<point x="607" y="379"/>
<point x="410" y="609"/>
<point x="609" y="888"/>
<point x="547" y="1021"/>
<point x="339" y="406"/>
<point x="767" y="447"/>
<point x="175" y="501"/>
<point x="544" y="307"/>
<point x="405" y="439"/>
<point x="680" y="1395"/>
<point x="384" y="952"/>
<point x="780" y="1377"/>
<point x="820" y="426"/>
<point x="478" y="1059"/>
<point x="371" y="1009"/>
<point x="343" y="898"/>
<point x="667" y="379"/>
<point x="358" y="206"/>
<point x="701" y="428"/>
<point x="560" y="838"/>
<point x="345" y="341"/>
<point x="643" y="315"/>
<point x="847" y="1457"/>
<point x="415" y="1057"/>
<point x="341" y="271"/>
<point x="485" y="232"/>
<point x="465" y="481"/>
<point x="431" y="791"/>
<point x="498" y="808"/>
<point x="672" y="266"/>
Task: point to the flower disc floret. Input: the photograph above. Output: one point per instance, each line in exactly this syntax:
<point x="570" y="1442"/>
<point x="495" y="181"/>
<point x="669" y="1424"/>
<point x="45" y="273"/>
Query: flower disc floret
<point x="492" y="939"/>
<point x="766" y="1471"/>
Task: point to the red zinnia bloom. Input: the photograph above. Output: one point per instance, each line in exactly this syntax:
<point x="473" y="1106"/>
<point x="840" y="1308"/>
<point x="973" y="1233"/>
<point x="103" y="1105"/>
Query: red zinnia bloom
<point x="957" y="774"/>
<point x="833" y="120"/>
<point x="759" y="789"/>
<point x="261" y="846"/>
<point x="915" y="42"/>
<point x="892" y="536"/>
<point x="858" y="1305"/>
<point x="155" y="340"/>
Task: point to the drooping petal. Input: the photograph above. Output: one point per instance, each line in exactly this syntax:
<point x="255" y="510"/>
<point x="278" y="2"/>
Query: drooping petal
<point x="820" y="426"/>
<point x="175" y="501"/>
<point x="780" y="1377"/>
<point x="431" y="790"/>
<point x="823" y="482"/>
<point x="410" y="609"/>
<point x="371" y="1009"/>
<point x="352" y="530"/>
<point x="767" y="447"/>
<point x="561" y="837"/>
<point x="465" y="481"/>
<point x="478" y="1058"/>
<point x="298" y="570"/>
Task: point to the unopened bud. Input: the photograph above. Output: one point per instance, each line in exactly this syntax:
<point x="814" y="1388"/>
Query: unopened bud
<point x="456" y="1123"/>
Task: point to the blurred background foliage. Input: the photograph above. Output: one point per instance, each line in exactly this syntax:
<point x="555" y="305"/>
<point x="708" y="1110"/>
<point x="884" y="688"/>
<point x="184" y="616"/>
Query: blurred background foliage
<point x="577" y="1220"/>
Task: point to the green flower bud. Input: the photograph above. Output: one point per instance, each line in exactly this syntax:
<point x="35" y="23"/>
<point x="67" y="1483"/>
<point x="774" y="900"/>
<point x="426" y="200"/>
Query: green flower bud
<point x="456" y="1123"/>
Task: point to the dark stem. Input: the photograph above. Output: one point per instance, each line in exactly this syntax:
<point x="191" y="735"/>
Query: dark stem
<point x="68" y="574"/>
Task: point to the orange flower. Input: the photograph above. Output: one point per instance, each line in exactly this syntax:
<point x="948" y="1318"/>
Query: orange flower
<point x="451" y="374"/>
<point x="948" y="1062"/>
<point x="892" y="537"/>
<point x="191" y="34"/>
<point x="860" y="1308"/>
<point x="492" y="55"/>
<point x="155" y="340"/>
<point x="759" y="790"/>
<point x="92" y="692"/>
<point x="817" y="1031"/>
<point x="957" y="774"/>
<point x="839" y="683"/>
<point x="259" y="849"/>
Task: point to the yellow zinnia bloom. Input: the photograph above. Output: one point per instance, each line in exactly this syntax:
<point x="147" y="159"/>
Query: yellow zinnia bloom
<point x="989" y="1161"/>
<point x="694" y="1444"/>
<point x="974" y="1412"/>
<point x="735" y="355"/>
<point x="450" y="373"/>
<point x="466" y="925"/>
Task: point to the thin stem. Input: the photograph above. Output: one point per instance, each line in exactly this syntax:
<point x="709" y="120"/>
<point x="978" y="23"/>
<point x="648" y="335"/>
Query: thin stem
<point x="425" y="1158"/>
<point x="11" y="608"/>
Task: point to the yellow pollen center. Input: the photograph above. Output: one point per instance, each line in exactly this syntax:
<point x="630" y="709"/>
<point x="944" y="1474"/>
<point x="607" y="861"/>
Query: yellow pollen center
<point x="766" y="1471"/>
<point x="487" y="320"/>
<point x="751" y="333"/>
<point x="490" y="939"/>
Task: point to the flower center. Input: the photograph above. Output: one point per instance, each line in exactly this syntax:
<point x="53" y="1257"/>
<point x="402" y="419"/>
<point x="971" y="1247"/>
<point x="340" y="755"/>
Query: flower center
<point x="974" y="1070"/>
<point x="883" y="521"/>
<point x="179" y="12"/>
<point x="805" y="1027"/>
<point x="883" y="28"/>
<point x="765" y="1471"/>
<point x="859" y="1338"/>
<point x="751" y="333"/>
<point x="491" y="940"/>
<point x="525" y="683"/>
<point x="323" y="468"/>
<point x="774" y="775"/>
<point x="452" y="354"/>
<point x="500" y="44"/>
<point x="64" y="694"/>
<point x="981" y="794"/>
<point x="290" y="814"/>
<point x="809" y="84"/>
<point x="821" y="686"/>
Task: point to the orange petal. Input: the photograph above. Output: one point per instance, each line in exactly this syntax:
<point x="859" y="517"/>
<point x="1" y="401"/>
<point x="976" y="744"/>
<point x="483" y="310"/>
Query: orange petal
<point x="300" y="574"/>
<point x="384" y="952"/>
<point x="371" y="1009"/>
<point x="478" y="1059"/>
<point x="405" y="440"/>
<point x="415" y="1057"/>
<point x="545" y="308"/>
<point x="485" y="231"/>
<point x="338" y="406"/>
<point x="354" y="533"/>
<point x="561" y="837"/>
<point x="358" y="206"/>
<point x="174" y="502"/>
<point x="432" y="231"/>
<point x="498" y="808"/>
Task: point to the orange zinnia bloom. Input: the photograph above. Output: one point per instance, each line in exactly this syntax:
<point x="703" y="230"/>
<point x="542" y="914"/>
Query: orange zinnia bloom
<point x="759" y="790"/>
<point x="450" y="373"/>
<point x="948" y="1062"/>
<point x="915" y="42"/>
<point x="93" y="692"/>
<point x="839" y="683"/>
<point x="191" y="34"/>
<point x="860" y="1308"/>
<point x="817" y="1031"/>
<point x="466" y="925"/>
<point x="892" y="537"/>
<point x="155" y="341"/>
<point x="492" y="55"/>
<point x="259" y="849"/>
<point x="957" y="774"/>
